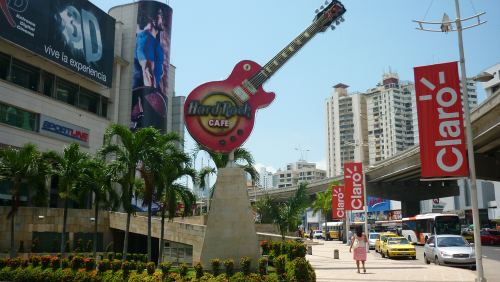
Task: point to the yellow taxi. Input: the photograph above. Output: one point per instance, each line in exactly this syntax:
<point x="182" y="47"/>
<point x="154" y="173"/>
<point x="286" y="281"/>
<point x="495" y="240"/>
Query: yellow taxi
<point x="380" y="240"/>
<point x="398" y="247"/>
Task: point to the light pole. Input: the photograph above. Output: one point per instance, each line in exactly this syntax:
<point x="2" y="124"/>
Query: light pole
<point x="446" y="26"/>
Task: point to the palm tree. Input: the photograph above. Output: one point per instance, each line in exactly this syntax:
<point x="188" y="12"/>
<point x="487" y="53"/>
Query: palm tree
<point x="175" y="166"/>
<point x="97" y="179"/>
<point x="242" y="157"/>
<point x="151" y="170"/>
<point x="287" y="215"/>
<point x="22" y="166"/>
<point x="323" y="202"/>
<point x="129" y="153"/>
<point x="68" y="167"/>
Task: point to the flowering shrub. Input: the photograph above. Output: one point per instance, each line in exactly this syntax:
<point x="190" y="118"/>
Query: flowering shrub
<point x="104" y="265"/>
<point x="65" y="263"/>
<point x="215" y="266"/>
<point x="229" y="265"/>
<point x="150" y="267"/>
<point x="279" y="263"/>
<point x="76" y="263"/>
<point x="263" y="266"/>
<point x="245" y="264"/>
<point x="45" y="261"/>
<point x="55" y="262"/>
<point x="89" y="263"/>
<point x="198" y="268"/>
<point x="165" y="268"/>
<point x="116" y="265"/>
<point x="14" y="263"/>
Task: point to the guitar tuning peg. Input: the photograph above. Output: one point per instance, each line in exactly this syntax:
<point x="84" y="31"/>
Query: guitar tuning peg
<point x="332" y="27"/>
<point x="317" y="11"/>
<point x="321" y="7"/>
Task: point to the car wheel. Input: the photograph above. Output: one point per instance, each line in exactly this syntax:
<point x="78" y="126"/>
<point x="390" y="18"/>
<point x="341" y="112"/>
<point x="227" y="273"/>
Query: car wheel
<point x="382" y="253"/>
<point x="473" y="267"/>
<point x="436" y="261"/>
<point x="387" y="254"/>
<point x="427" y="261"/>
<point x="414" y="258"/>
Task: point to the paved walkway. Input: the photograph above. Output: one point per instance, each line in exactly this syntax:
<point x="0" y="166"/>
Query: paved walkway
<point x="377" y="268"/>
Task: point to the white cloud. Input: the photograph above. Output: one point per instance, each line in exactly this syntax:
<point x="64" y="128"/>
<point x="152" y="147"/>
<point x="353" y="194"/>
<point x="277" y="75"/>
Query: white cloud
<point x="321" y="164"/>
<point x="258" y="166"/>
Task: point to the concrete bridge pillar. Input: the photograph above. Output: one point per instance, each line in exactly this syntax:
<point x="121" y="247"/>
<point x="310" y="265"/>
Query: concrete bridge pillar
<point x="410" y="208"/>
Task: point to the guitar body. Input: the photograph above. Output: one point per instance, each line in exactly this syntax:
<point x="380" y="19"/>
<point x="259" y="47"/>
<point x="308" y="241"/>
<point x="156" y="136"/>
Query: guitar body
<point x="220" y="115"/>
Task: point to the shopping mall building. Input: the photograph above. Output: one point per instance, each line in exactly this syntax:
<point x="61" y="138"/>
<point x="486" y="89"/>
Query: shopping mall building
<point x="67" y="72"/>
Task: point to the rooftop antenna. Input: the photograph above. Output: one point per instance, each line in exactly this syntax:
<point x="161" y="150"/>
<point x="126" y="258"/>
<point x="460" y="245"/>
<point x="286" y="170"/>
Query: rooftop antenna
<point x="302" y="152"/>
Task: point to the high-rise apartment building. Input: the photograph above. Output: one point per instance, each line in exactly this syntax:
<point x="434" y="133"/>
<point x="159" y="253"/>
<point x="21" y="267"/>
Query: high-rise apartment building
<point x="346" y="129"/>
<point x="265" y="179"/>
<point x="493" y="85"/>
<point x="297" y="173"/>
<point x="390" y="128"/>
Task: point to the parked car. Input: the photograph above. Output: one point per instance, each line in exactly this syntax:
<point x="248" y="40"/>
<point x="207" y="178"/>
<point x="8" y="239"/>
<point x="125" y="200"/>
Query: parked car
<point x="317" y="234"/>
<point x="449" y="250"/>
<point x="490" y="237"/>
<point x="379" y="242"/>
<point x="374" y="236"/>
<point x="398" y="247"/>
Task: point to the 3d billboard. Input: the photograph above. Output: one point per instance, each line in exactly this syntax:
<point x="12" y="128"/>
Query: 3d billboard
<point x="151" y="66"/>
<point x="73" y="33"/>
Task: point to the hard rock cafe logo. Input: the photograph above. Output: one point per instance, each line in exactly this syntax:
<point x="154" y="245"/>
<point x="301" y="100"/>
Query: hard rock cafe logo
<point x="218" y="114"/>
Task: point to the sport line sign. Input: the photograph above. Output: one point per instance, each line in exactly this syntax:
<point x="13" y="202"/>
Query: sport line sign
<point x="338" y="202"/>
<point x="440" y="121"/>
<point x="353" y="182"/>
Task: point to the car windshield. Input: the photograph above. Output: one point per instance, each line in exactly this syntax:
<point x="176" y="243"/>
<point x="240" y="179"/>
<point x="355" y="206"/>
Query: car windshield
<point x="401" y="241"/>
<point x="448" y="225"/>
<point x="374" y="236"/>
<point x="494" y="232"/>
<point x="451" y="242"/>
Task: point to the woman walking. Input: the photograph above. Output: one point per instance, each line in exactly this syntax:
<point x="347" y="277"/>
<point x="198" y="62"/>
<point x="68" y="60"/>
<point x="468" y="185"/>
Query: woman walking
<point x="358" y="241"/>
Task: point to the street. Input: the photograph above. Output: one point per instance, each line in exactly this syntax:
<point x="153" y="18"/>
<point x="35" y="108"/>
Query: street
<point x="383" y="269"/>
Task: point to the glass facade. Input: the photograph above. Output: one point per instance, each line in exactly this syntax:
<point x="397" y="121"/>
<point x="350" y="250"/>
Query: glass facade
<point x="47" y="84"/>
<point x="18" y="117"/>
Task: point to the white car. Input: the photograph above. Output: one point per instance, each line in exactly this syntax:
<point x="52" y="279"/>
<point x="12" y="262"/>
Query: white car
<point x="318" y="234"/>
<point x="374" y="236"/>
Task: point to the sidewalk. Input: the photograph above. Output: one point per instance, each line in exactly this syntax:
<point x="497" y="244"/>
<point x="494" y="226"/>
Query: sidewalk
<point x="377" y="268"/>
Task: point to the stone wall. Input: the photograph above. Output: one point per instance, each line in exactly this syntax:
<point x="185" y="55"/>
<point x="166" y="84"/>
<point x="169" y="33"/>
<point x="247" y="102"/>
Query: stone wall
<point x="32" y="219"/>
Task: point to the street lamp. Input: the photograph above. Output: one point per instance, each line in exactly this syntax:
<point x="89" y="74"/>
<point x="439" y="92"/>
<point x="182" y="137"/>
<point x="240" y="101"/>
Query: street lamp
<point x="445" y="26"/>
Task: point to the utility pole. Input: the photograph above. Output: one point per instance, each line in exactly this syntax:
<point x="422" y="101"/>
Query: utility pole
<point x="445" y="26"/>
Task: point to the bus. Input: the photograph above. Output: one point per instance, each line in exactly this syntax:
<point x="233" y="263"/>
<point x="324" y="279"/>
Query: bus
<point x="387" y="225"/>
<point x="417" y="229"/>
<point x="333" y="229"/>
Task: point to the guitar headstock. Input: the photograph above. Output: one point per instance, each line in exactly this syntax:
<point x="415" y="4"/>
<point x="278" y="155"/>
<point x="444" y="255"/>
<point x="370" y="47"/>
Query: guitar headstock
<point x="330" y="15"/>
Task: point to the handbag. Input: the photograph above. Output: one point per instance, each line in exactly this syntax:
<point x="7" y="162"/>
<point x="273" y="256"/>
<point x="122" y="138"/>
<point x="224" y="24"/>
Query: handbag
<point x="356" y="243"/>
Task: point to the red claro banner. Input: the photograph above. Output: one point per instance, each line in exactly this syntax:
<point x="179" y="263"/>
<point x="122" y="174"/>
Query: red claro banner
<point x="338" y="202"/>
<point x="353" y="183"/>
<point x="440" y="121"/>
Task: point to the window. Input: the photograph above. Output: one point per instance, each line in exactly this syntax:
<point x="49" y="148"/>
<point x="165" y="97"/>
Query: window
<point x="4" y="66"/>
<point x="66" y="91"/>
<point x="104" y="106"/>
<point x="88" y="101"/>
<point x="19" y="118"/>
<point x="48" y="81"/>
<point x="24" y="75"/>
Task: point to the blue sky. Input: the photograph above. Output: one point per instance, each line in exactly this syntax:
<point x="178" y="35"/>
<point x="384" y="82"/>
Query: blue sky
<point x="210" y="37"/>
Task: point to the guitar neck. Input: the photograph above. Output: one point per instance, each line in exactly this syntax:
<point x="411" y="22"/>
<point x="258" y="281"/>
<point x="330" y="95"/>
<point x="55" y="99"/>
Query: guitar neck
<point x="284" y="55"/>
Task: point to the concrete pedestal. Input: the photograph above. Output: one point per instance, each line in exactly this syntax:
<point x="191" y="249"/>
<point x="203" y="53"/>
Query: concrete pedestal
<point x="230" y="231"/>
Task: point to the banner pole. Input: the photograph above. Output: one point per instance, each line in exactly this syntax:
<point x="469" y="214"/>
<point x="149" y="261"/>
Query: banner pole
<point x="366" y="212"/>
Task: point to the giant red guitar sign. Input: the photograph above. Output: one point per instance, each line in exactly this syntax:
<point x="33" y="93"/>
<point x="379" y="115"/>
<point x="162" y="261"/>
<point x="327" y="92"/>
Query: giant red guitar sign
<point x="220" y="114"/>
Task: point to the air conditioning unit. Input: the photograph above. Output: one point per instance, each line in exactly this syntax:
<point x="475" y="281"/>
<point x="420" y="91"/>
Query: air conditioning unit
<point x="492" y="204"/>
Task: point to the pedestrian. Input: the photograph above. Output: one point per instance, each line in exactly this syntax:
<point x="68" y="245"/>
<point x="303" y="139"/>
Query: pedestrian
<point x="358" y="241"/>
<point x="311" y="233"/>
